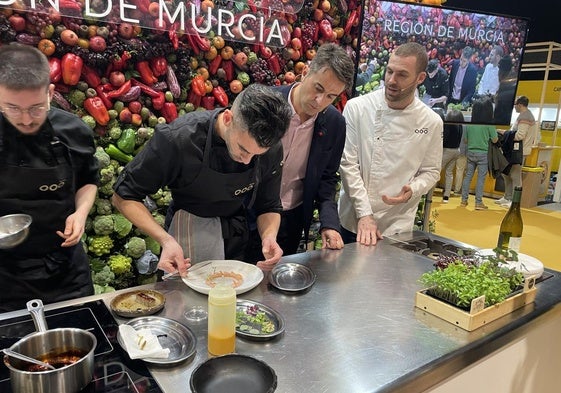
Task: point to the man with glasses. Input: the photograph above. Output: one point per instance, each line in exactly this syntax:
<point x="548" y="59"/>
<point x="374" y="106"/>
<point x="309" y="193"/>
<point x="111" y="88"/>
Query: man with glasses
<point x="48" y="171"/>
<point x="211" y="160"/>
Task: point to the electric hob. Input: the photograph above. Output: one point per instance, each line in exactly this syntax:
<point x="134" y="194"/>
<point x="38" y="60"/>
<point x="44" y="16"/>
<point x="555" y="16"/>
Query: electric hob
<point x="114" y="371"/>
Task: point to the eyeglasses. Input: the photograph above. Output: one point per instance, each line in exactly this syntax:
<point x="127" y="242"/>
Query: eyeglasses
<point x="35" y="112"/>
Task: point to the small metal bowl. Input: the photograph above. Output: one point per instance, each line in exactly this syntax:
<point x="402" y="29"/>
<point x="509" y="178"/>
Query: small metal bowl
<point x="292" y="277"/>
<point x="14" y="229"/>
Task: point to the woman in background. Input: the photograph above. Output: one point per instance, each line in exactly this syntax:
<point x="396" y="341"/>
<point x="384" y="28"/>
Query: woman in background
<point x="477" y="139"/>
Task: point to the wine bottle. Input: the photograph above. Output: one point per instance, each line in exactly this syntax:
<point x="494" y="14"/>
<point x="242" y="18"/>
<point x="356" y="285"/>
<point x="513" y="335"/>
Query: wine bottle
<point x="510" y="233"/>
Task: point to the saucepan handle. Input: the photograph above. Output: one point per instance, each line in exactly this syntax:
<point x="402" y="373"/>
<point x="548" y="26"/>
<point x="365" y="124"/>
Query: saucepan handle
<point x="35" y="308"/>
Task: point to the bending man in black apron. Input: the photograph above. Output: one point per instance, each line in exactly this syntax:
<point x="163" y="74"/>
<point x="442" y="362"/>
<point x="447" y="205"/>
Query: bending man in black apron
<point x="47" y="170"/>
<point x="212" y="160"/>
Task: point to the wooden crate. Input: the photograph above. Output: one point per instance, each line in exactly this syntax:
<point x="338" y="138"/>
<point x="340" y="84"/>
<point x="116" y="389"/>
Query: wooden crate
<point x="477" y="316"/>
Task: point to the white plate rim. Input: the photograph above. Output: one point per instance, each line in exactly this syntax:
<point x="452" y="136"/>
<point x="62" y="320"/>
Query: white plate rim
<point x="195" y="279"/>
<point x="536" y="266"/>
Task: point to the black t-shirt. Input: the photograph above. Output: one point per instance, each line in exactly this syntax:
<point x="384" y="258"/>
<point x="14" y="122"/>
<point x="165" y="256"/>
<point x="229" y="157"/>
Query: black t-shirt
<point x="437" y="86"/>
<point x="33" y="150"/>
<point x="452" y="136"/>
<point x="173" y="158"/>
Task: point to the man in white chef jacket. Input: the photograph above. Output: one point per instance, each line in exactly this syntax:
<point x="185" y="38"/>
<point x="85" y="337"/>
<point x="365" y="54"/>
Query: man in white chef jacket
<point x="393" y="152"/>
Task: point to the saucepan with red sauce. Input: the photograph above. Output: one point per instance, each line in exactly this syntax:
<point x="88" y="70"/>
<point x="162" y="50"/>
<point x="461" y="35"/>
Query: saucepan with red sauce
<point x="69" y="350"/>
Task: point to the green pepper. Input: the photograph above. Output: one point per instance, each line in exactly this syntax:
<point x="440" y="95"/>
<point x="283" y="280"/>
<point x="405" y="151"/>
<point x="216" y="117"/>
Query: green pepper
<point x="116" y="154"/>
<point x="127" y="140"/>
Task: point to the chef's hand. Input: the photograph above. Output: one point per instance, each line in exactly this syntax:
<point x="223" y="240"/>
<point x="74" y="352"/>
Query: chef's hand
<point x="73" y="230"/>
<point x="331" y="239"/>
<point x="172" y="258"/>
<point x="272" y="253"/>
<point x="405" y="194"/>
<point x="367" y="231"/>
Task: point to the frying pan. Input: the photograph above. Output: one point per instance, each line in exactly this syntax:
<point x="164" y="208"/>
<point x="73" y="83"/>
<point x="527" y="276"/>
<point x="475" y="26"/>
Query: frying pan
<point x="233" y="373"/>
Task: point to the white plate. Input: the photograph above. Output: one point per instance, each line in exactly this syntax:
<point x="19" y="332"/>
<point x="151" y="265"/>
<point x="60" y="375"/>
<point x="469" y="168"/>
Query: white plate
<point x="526" y="264"/>
<point x="251" y="274"/>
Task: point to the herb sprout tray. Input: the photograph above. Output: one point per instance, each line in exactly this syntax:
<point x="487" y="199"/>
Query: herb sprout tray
<point x="477" y="316"/>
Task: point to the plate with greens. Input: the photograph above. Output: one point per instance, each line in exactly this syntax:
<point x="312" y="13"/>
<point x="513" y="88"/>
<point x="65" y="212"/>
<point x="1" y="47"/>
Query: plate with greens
<point x="256" y="321"/>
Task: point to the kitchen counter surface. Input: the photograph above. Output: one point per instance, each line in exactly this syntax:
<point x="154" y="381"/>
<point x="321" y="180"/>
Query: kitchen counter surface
<point x="355" y="330"/>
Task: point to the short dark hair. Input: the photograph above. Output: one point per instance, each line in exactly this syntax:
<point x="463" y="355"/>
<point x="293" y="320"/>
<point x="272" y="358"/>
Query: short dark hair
<point x="23" y="67"/>
<point x="337" y="59"/>
<point x="482" y="111"/>
<point x="467" y="52"/>
<point x="414" y="49"/>
<point x="454" y="115"/>
<point x="264" y="112"/>
<point x="522" y="100"/>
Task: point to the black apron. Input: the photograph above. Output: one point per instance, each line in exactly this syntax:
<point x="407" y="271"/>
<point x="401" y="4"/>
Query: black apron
<point x="216" y="194"/>
<point x="39" y="267"/>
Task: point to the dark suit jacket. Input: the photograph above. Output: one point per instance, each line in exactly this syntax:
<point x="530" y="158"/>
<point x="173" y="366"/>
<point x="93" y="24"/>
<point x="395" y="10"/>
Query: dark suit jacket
<point x="468" y="84"/>
<point x="322" y="175"/>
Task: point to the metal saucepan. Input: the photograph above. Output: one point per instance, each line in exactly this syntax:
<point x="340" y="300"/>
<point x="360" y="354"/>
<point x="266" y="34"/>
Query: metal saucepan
<point x="69" y="350"/>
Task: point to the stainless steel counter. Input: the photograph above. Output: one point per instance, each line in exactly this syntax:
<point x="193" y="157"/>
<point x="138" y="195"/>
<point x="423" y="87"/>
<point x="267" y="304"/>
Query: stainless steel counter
<point x="356" y="330"/>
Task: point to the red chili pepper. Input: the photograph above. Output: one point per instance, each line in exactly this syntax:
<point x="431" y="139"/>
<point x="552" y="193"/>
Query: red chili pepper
<point x="274" y="63"/>
<point x="172" y="34"/>
<point x="207" y="102"/>
<point x="169" y="112"/>
<point x="97" y="109"/>
<point x="55" y="72"/>
<point x="158" y="65"/>
<point x="124" y="88"/>
<point x="202" y="43"/>
<point x="353" y="18"/>
<point x="228" y="67"/>
<point x="220" y="95"/>
<point x="71" y="65"/>
<point x="215" y="65"/>
<point x="198" y="85"/>
<point x="146" y="74"/>
<point x="90" y="76"/>
<point x="158" y="102"/>
<point x="145" y="89"/>
<point x="119" y="62"/>
<point x="325" y="29"/>
<point x="143" y="6"/>
<point x="103" y="97"/>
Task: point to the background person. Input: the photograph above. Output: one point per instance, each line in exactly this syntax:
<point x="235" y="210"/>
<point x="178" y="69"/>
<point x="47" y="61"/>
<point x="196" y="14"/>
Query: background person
<point x="477" y="138"/>
<point x="392" y="154"/>
<point x="436" y="85"/>
<point x="312" y="149"/>
<point x="210" y="160"/>
<point x="463" y="78"/>
<point x="526" y="130"/>
<point x="452" y="138"/>
<point x="505" y="93"/>
<point x="47" y="170"/>
<point x="489" y="83"/>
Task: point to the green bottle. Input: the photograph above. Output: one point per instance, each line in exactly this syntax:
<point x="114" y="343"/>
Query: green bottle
<point x="510" y="233"/>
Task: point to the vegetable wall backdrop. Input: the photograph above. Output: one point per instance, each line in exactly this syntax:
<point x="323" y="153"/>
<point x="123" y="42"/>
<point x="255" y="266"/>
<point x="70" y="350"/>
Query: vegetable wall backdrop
<point x="122" y="80"/>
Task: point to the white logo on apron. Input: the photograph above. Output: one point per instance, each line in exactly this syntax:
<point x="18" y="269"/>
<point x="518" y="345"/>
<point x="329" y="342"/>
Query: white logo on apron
<point x="52" y="187"/>
<point x="240" y="191"/>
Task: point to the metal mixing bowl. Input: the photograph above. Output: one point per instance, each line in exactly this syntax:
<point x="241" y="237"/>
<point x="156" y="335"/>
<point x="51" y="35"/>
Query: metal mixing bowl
<point x="14" y="228"/>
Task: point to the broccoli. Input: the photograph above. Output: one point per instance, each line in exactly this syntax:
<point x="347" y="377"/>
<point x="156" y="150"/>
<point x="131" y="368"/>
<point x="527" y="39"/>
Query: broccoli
<point x="107" y="188"/>
<point x="135" y="247"/>
<point x="252" y="58"/>
<point x="115" y="133"/>
<point x="107" y="174"/>
<point x="77" y="97"/>
<point x="153" y="245"/>
<point x="121" y="225"/>
<point x="120" y="264"/>
<point x="165" y="200"/>
<point x="100" y="245"/>
<point x="243" y="77"/>
<point x="102" y="157"/>
<point x="99" y="289"/>
<point x="125" y="280"/>
<point x="89" y="120"/>
<point x="103" y="206"/>
<point x="159" y="218"/>
<point x="103" y="277"/>
<point x="103" y="225"/>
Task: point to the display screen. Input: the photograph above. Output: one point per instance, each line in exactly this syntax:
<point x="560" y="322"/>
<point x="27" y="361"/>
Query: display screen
<point x="473" y="57"/>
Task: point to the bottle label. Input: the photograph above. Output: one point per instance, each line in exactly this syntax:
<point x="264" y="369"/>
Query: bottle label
<point x="514" y="243"/>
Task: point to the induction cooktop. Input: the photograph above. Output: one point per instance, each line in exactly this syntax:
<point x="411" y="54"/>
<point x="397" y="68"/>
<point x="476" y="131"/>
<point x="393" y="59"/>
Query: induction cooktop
<point x="114" y="371"/>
